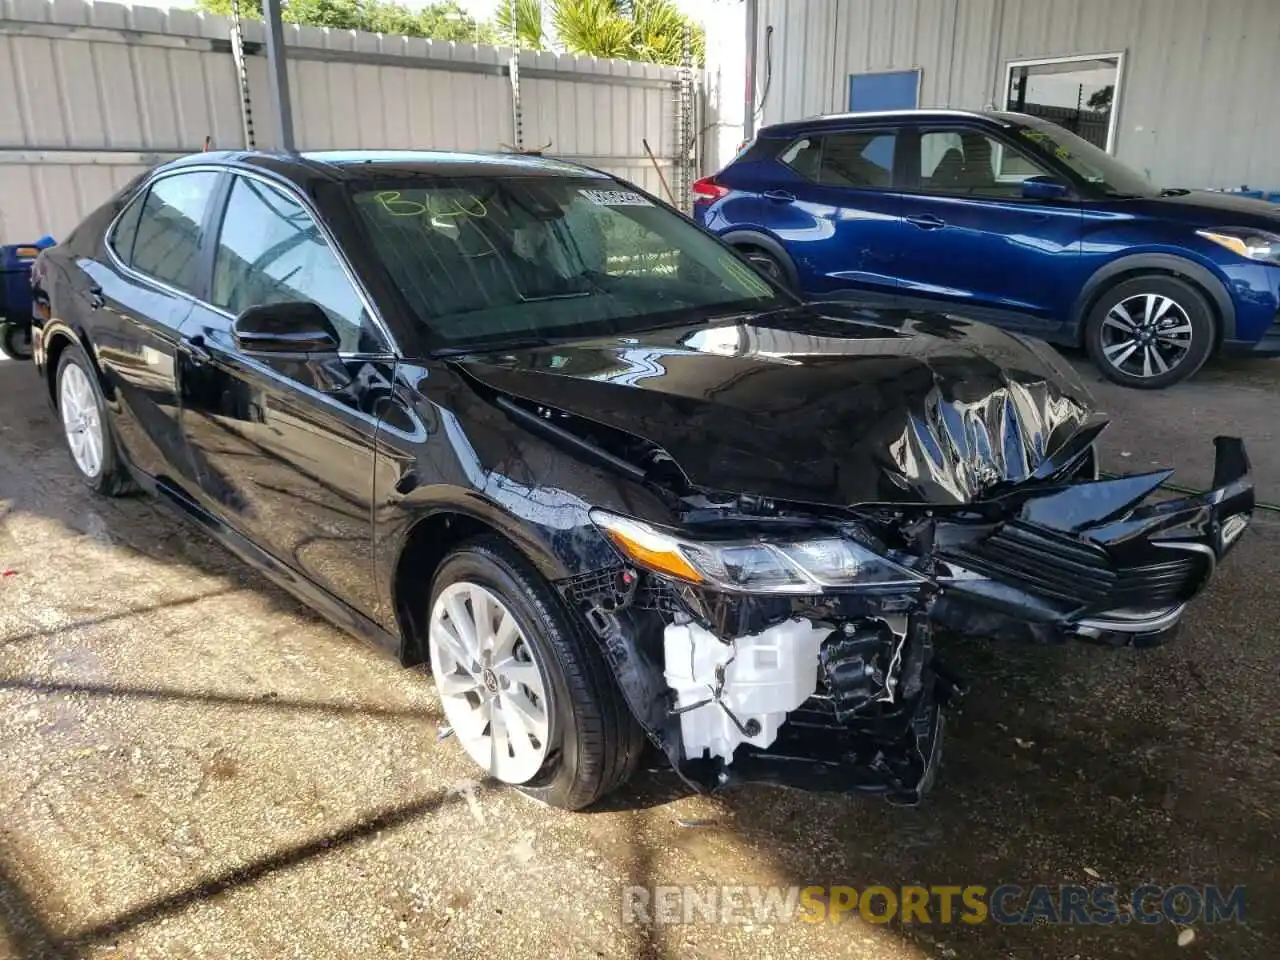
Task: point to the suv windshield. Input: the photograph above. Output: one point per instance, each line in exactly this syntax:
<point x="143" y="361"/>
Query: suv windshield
<point x="1091" y="164"/>
<point x="486" y="261"/>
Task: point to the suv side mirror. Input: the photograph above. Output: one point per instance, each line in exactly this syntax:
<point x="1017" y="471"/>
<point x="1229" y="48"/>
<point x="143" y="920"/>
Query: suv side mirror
<point x="1044" y="188"/>
<point x="295" y="328"/>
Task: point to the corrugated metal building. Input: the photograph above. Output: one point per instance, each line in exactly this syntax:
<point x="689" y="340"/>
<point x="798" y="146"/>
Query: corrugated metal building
<point x="1192" y="81"/>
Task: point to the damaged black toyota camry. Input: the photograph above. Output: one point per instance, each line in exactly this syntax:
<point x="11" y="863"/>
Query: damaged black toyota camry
<point x="515" y="419"/>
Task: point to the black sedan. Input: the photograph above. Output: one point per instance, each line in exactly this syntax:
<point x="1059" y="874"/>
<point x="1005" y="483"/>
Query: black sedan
<point x="517" y="419"/>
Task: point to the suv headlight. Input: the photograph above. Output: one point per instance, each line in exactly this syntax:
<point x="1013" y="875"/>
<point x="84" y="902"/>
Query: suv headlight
<point x="752" y="566"/>
<point x="1246" y="241"/>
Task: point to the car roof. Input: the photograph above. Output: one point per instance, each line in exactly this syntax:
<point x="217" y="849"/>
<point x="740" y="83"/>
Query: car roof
<point x="356" y="165"/>
<point x="834" y="120"/>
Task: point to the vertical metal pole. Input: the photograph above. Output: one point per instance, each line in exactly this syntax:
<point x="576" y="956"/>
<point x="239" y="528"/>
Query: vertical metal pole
<point x="749" y="113"/>
<point x="278" y="74"/>
<point x="237" y="57"/>
<point x="517" y="115"/>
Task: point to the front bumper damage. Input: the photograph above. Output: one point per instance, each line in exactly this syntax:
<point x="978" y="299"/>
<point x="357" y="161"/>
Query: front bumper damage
<point x="843" y="690"/>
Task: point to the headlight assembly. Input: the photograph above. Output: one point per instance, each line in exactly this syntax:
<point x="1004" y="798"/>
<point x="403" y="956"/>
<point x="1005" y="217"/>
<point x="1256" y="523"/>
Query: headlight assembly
<point x="752" y="566"/>
<point x="1246" y="241"/>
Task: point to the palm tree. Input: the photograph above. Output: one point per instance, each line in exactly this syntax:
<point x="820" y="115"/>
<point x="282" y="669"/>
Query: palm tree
<point x="528" y="24"/>
<point x="594" y="28"/>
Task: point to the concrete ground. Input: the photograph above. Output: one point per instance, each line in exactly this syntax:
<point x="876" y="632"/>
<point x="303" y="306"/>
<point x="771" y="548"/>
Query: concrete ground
<point x="192" y="765"/>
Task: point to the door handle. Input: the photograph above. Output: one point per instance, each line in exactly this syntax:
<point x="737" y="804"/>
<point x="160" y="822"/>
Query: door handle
<point x="96" y="300"/>
<point x="780" y="196"/>
<point x="927" y="221"/>
<point x="195" y="348"/>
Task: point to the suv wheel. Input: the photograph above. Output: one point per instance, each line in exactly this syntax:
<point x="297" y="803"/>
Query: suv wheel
<point x="527" y="693"/>
<point x="768" y="264"/>
<point x="1150" y="332"/>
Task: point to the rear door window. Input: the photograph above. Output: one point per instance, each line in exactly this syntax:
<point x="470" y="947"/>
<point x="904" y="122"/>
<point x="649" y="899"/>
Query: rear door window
<point x="859" y="158"/>
<point x="167" y="243"/>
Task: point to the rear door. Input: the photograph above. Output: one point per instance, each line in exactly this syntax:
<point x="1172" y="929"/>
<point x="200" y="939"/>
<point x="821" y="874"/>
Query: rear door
<point x="140" y="296"/>
<point x="970" y="235"/>
<point x="835" y="208"/>
<point x="284" y="446"/>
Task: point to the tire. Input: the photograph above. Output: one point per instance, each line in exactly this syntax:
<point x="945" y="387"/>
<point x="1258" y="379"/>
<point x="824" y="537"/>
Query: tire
<point x="592" y="743"/>
<point x="15" y="341"/>
<point x="1150" y="332"/>
<point x="82" y="412"/>
<point x="769" y="265"/>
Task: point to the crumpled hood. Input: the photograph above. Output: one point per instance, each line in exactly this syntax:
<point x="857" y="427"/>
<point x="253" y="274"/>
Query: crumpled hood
<point x="830" y="403"/>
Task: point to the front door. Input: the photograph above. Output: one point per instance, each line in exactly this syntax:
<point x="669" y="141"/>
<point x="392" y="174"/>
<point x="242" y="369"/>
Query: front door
<point x="834" y="207"/>
<point x="972" y="238"/>
<point x="285" y="446"/>
<point x="140" y="297"/>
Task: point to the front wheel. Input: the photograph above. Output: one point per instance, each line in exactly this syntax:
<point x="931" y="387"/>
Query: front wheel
<point x="1150" y="332"/>
<point x="525" y="689"/>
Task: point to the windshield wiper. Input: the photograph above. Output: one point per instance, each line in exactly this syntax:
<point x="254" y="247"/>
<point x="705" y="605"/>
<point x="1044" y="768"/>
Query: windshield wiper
<point x="489" y="346"/>
<point x="1174" y="192"/>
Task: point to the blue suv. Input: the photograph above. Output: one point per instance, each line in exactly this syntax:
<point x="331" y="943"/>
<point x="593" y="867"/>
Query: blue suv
<point x="1021" y="221"/>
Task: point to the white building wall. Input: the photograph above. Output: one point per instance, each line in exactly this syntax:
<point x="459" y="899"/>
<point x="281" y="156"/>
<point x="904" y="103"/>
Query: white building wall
<point x="1195" y="105"/>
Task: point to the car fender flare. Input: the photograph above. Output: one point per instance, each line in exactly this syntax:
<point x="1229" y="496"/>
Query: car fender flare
<point x="54" y="329"/>
<point x="1199" y="274"/>
<point x="767" y="243"/>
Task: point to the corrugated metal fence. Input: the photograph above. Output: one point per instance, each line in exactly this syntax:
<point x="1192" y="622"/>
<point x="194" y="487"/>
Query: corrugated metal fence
<point x="93" y="93"/>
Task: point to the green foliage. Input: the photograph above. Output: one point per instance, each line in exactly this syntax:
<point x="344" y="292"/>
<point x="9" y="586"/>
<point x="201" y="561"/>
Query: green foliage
<point x="595" y="28"/>
<point x="443" y="20"/>
<point x="528" y="23"/>
<point x="649" y="30"/>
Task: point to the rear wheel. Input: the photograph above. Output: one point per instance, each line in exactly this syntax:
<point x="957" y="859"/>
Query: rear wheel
<point x="1150" y="332"/>
<point x="769" y="265"/>
<point x="527" y="693"/>
<point x="84" y="425"/>
<point x="15" y="341"/>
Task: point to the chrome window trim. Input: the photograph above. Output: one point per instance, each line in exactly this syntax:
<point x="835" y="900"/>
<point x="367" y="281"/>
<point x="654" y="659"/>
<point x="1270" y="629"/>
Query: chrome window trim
<point x="392" y="348"/>
<point x="146" y="186"/>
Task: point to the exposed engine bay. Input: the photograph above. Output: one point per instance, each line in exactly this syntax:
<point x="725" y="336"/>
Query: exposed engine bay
<point x="810" y="508"/>
<point x="839" y="686"/>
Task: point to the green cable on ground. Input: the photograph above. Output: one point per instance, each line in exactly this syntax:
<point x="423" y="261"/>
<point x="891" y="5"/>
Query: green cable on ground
<point x="1192" y="491"/>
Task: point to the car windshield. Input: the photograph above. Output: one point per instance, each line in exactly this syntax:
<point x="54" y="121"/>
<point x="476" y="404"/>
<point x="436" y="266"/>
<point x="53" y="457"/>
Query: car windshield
<point x="486" y="261"/>
<point x="1087" y="161"/>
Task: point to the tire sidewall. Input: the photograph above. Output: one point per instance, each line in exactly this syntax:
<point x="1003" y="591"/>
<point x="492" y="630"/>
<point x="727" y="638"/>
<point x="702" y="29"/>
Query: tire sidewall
<point x="496" y="572"/>
<point x="73" y="355"/>
<point x="1191" y="300"/>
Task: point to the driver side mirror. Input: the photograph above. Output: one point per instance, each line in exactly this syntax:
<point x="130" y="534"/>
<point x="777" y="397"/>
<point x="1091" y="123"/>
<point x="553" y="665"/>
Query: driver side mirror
<point x="1044" y="188"/>
<point x="285" y="328"/>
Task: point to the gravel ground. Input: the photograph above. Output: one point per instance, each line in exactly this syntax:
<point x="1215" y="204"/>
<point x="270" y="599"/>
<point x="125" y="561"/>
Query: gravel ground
<point x="192" y="765"/>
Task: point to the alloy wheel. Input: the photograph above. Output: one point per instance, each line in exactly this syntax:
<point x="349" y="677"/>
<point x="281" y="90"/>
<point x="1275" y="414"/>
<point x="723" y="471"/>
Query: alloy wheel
<point x="492" y="687"/>
<point x="80" y="419"/>
<point x="1146" y="335"/>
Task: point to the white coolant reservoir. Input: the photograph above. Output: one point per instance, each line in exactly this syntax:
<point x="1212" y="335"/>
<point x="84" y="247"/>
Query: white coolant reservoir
<point x="766" y="676"/>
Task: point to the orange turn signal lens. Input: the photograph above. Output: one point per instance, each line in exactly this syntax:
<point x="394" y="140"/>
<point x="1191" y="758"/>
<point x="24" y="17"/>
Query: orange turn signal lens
<point x="648" y="548"/>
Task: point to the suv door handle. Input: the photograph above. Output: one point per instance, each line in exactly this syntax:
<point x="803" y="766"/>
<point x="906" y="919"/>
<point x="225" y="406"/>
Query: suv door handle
<point x="96" y="300"/>
<point x="194" y="348"/>
<point x="780" y="196"/>
<point x="927" y="221"/>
